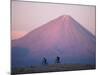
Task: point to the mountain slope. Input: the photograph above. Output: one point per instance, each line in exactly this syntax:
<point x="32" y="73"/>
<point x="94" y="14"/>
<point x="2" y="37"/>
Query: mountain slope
<point x="63" y="37"/>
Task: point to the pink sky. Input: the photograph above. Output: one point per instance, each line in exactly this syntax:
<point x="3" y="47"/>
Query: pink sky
<point x="27" y="16"/>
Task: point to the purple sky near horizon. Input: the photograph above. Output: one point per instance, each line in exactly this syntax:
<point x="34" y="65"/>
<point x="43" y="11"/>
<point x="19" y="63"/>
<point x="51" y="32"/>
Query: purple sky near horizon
<point x="27" y="16"/>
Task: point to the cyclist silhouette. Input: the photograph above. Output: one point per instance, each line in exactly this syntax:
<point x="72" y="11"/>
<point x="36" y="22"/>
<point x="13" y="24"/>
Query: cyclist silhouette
<point x="44" y="61"/>
<point x="57" y="59"/>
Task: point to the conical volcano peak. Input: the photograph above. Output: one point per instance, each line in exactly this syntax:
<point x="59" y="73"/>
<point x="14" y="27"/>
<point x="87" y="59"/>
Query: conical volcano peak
<point x="65" y="17"/>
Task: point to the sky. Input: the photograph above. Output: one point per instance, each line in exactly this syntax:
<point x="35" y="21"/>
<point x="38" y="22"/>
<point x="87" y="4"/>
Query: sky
<point x="27" y="16"/>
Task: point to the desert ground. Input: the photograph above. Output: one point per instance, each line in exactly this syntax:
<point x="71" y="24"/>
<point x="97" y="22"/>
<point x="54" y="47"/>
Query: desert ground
<point x="52" y="68"/>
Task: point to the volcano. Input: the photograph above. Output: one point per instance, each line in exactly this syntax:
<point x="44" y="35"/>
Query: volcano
<point x="63" y="37"/>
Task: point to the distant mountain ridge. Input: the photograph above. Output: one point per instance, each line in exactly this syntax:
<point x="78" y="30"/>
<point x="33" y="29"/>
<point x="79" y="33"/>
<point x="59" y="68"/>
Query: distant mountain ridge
<point x="63" y="37"/>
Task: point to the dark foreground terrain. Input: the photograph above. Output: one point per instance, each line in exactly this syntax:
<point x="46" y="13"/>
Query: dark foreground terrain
<point x="52" y="68"/>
